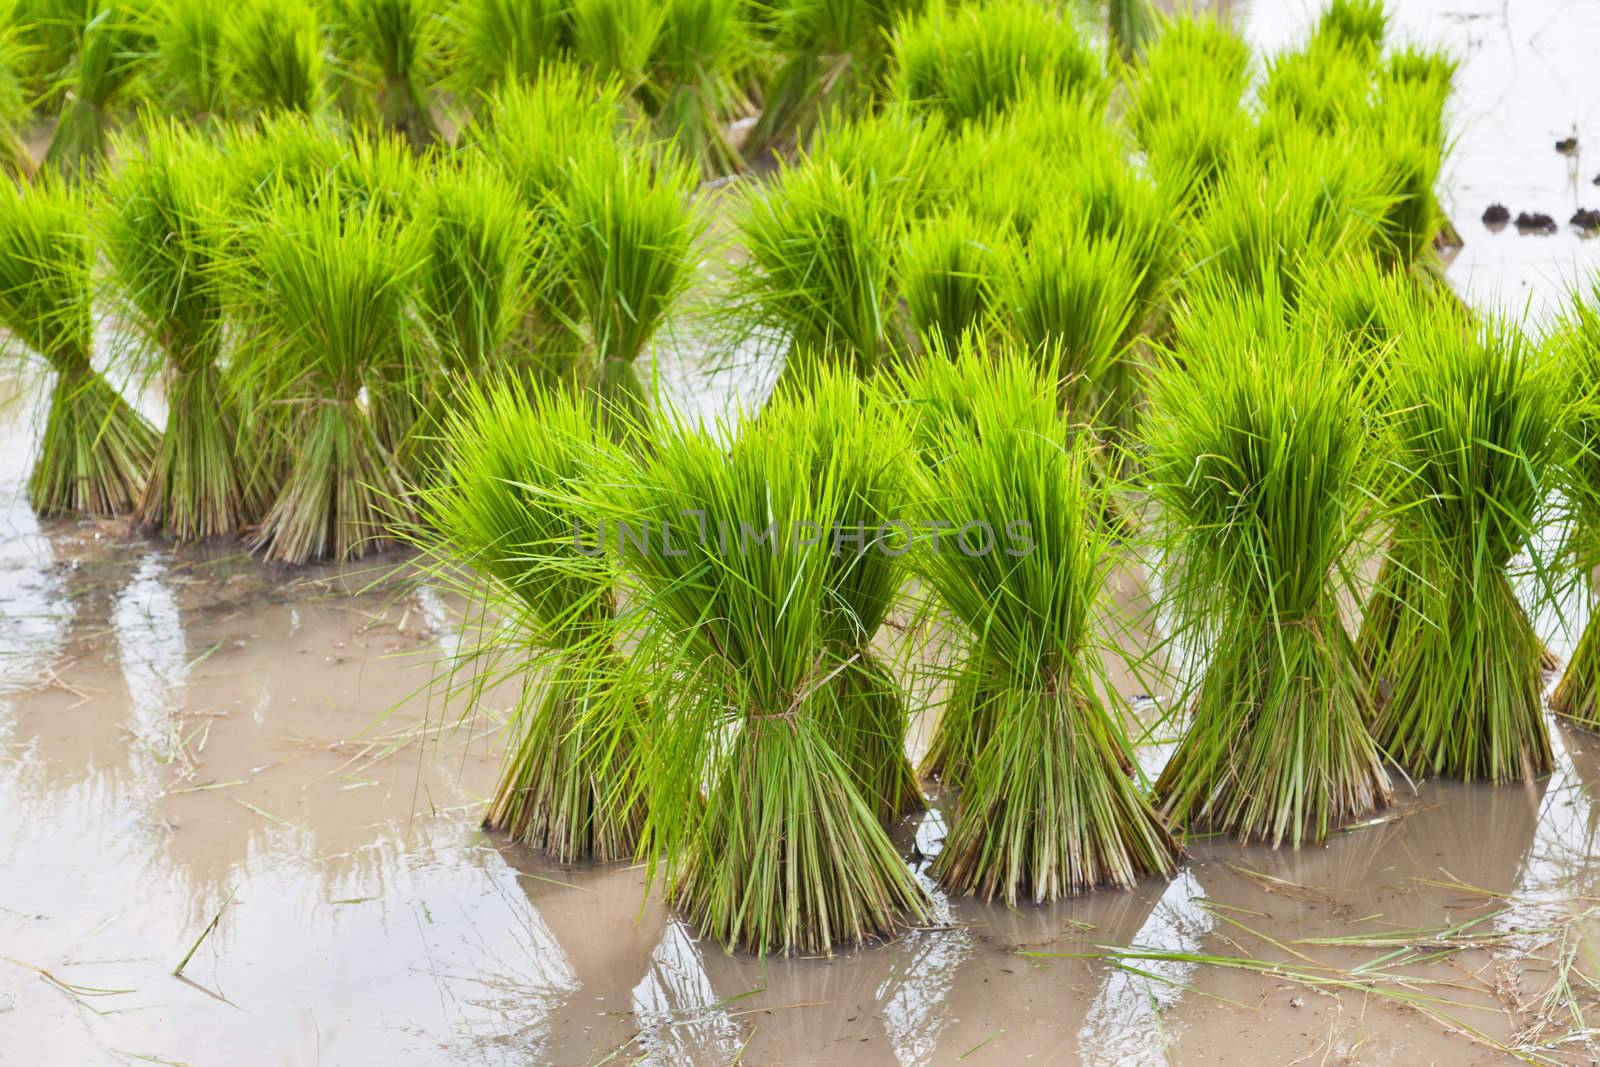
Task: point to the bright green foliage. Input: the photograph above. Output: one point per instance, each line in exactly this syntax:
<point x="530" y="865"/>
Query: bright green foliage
<point x="950" y="271"/>
<point x="1576" y="342"/>
<point x="693" y="89"/>
<point x="161" y="233"/>
<point x="508" y="504"/>
<point x="194" y="64"/>
<point x="783" y="852"/>
<point x="397" y="43"/>
<point x="96" y="450"/>
<point x="616" y="38"/>
<point x="1356" y="26"/>
<point x="970" y="62"/>
<point x="111" y="45"/>
<point x="1047" y="804"/>
<point x="503" y="42"/>
<point x="1259" y="462"/>
<point x="278" y="45"/>
<point x="1472" y="432"/>
<point x="326" y="293"/>
<point x="14" y="158"/>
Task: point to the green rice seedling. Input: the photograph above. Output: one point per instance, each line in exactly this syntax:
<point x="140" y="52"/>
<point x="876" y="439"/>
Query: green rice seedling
<point x="756" y="825"/>
<point x="163" y="245"/>
<point x="1130" y="25"/>
<point x="193" y="64"/>
<point x="893" y="153"/>
<point x="111" y="46"/>
<point x="285" y="150"/>
<point x="693" y="89"/>
<point x="626" y="230"/>
<point x="616" y="38"/>
<point x="1260" y="465"/>
<point x="853" y="442"/>
<point x="1328" y="89"/>
<point x="397" y="43"/>
<point x="1576" y="342"/>
<point x="15" y="159"/>
<point x="326" y="295"/>
<point x="950" y="270"/>
<point x="96" y="449"/>
<point x="821" y="242"/>
<point x="1472" y="417"/>
<point x="970" y="63"/>
<point x="508" y="504"/>
<point x="1071" y="296"/>
<point x="1048" y="806"/>
<point x="279" y="50"/>
<point x="1357" y="26"/>
<point x="531" y="131"/>
<point x="835" y="57"/>
<point x="501" y="42"/>
<point x="1423" y="79"/>
<point x="1191" y="54"/>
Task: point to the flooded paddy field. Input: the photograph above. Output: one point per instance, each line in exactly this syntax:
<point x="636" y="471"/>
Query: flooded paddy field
<point x="212" y="766"/>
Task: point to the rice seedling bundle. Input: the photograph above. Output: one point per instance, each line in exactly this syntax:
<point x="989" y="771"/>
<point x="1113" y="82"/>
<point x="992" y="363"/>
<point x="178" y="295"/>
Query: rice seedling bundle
<point x="508" y="504"/>
<point x="1047" y="804"/>
<point x="163" y="243"/>
<point x="96" y="449"/>
<point x="15" y="160"/>
<point x="111" y="45"/>
<point x="286" y="150"/>
<point x="1357" y="26"/>
<point x="616" y="38"/>
<point x="949" y="270"/>
<point x="326" y="295"/>
<point x="1577" y="341"/>
<point x="1328" y="89"/>
<point x="693" y="89"/>
<point x="194" y="63"/>
<point x="398" y="44"/>
<point x="835" y="56"/>
<point x="1472" y="417"/>
<point x="1260" y="465"/>
<point x="626" y="230"/>
<point x="279" y="50"/>
<point x="1130" y="25"/>
<point x="502" y="42"/>
<point x="1195" y="61"/>
<point x="782" y="851"/>
<point x="970" y="62"/>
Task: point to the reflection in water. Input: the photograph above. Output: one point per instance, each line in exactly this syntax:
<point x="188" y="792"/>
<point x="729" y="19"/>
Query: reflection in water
<point x="154" y="654"/>
<point x="679" y="1015"/>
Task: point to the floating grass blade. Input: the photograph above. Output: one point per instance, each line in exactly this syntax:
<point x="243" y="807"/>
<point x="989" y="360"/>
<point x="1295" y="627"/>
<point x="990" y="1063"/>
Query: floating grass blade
<point x="96" y="450"/>
<point x="508" y="505"/>
<point x="326" y="293"/>
<point x="1048" y="807"/>
<point x="162" y="239"/>
<point x="1260" y="466"/>
<point x="1472" y="417"/>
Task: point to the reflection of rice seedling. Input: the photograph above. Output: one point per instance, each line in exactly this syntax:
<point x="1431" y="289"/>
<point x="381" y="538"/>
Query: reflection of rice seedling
<point x="193" y="65"/>
<point x="625" y="233"/>
<point x="970" y="62"/>
<point x="501" y="41"/>
<point x="398" y="41"/>
<point x="163" y="244"/>
<point x="1472" y="431"/>
<point x="835" y="54"/>
<point x="949" y="271"/>
<point x="514" y="467"/>
<point x="96" y="450"/>
<point x="1577" y="340"/>
<point x="278" y="45"/>
<point x="692" y="89"/>
<point x="783" y="852"/>
<point x="326" y="293"/>
<point x="1047" y="804"/>
<point x="111" y="43"/>
<point x="1260" y="462"/>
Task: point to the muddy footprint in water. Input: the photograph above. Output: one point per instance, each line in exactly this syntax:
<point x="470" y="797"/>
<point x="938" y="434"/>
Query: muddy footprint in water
<point x="1536" y="223"/>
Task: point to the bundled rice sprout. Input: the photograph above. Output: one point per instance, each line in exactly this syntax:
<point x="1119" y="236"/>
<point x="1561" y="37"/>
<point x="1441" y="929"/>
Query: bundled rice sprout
<point x="194" y="63"/>
<point x="1472" y="417"/>
<point x="279" y="50"/>
<point x="326" y="293"/>
<point x="616" y="38"/>
<point x="1191" y="54"/>
<point x="111" y="45"/>
<point x="1047" y="806"/>
<point x="782" y="852"/>
<point x="1577" y="342"/>
<point x="970" y="62"/>
<point x="508" y="504"/>
<point x="692" y="90"/>
<point x="501" y="42"/>
<point x="96" y="450"/>
<point x="287" y="150"/>
<point x="949" y="270"/>
<point x="625" y="233"/>
<point x="854" y="444"/>
<point x="15" y="159"/>
<point x="1357" y="26"/>
<point x="163" y="244"/>
<point x="397" y="45"/>
<point x="1259" y="463"/>
<point x="835" y="56"/>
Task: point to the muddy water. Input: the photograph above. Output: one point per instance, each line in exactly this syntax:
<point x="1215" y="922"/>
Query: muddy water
<point x="189" y="738"/>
